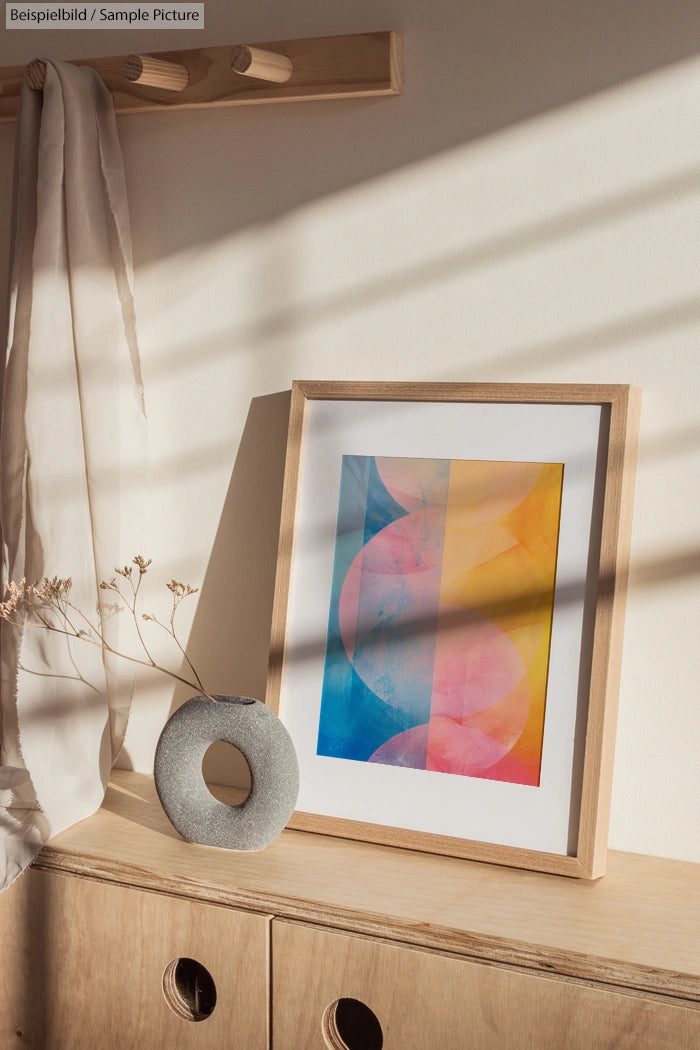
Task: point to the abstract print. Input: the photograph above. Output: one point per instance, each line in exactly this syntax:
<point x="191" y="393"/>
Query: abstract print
<point x="441" y="615"/>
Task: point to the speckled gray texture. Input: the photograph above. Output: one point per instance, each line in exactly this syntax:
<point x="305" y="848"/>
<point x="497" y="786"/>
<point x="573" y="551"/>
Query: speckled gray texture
<point x="274" y="774"/>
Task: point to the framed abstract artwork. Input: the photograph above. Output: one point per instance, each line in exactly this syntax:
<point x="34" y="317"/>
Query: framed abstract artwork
<point x="447" y="626"/>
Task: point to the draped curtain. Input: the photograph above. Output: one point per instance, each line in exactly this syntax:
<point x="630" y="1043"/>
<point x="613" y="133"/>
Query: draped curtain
<point x="72" y="455"/>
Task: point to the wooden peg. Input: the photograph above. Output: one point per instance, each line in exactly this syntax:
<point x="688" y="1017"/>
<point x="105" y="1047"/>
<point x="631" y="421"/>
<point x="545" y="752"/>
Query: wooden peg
<point x="35" y="74"/>
<point x="154" y="72"/>
<point x="265" y="65"/>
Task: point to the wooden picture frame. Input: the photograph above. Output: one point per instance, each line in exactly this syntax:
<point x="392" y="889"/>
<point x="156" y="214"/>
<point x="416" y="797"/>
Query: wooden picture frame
<point x="514" y="502"/>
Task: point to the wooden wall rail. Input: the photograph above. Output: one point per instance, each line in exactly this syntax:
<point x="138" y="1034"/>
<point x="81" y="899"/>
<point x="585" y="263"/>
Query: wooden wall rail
<point x="355" y="66"/>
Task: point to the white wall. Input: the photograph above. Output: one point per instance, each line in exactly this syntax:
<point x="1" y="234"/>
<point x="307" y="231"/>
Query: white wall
<point x="528" y="209"/>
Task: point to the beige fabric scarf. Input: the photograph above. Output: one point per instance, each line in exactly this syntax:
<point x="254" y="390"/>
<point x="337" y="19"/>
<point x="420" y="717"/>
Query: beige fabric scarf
<point x="72" y="455"/>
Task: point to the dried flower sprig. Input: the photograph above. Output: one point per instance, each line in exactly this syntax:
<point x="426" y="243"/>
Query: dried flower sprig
<point x="47" y="605"/>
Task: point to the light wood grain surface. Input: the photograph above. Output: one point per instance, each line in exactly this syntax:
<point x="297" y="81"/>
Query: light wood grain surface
<point x="82" y="966"/>
<point x="639" y="926"/>
<point x="423" y="1000"/>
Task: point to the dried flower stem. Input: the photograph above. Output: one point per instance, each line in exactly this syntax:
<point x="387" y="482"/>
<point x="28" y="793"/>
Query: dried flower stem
<point x="27" y="605"/>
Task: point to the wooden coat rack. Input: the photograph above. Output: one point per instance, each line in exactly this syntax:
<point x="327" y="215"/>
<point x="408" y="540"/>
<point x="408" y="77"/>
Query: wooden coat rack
<point x="356" y="66"/>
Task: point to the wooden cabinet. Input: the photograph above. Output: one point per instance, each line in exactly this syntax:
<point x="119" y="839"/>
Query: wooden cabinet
<point x="122" y="935"/>
<point x="432" y="999"/>
<point x="83" y="965"/>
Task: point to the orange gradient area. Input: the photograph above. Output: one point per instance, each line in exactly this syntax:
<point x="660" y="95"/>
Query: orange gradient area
<point x="495" y="619"/>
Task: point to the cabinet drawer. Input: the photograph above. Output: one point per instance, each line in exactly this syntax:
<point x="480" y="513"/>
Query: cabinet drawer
<point x="83" y="966"/>
<point x="423" y="999"/>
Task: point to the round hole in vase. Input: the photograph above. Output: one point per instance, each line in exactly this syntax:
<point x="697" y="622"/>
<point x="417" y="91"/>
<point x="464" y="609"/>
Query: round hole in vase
<point x="349" y="1024"/>
<point x="259" y="735"/>
<point x="226" y="773"/>
<point x="189" y="989"/>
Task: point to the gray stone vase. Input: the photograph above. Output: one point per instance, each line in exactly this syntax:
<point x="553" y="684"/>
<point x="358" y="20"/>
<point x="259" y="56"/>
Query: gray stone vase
<point x="274" y="773"/>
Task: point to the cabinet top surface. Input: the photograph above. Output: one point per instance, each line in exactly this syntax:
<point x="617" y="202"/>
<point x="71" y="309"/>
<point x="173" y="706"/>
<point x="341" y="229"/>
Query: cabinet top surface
<point x="638" y="925"/>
